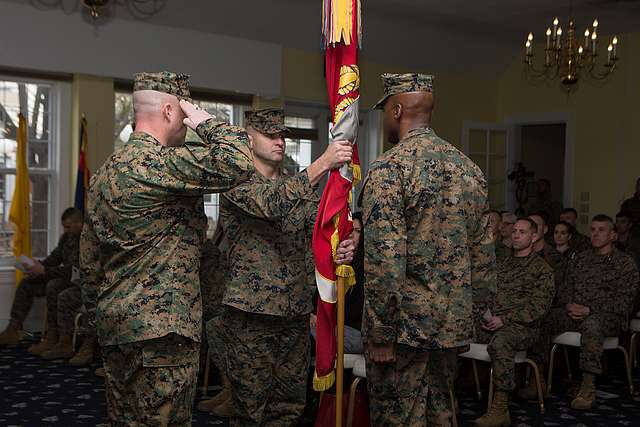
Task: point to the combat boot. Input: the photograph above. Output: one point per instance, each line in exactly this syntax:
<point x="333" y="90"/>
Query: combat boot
<point x="498" y="414"/>
<point x="62" y="350"/>
<point x="47" y="344"/>
<point x="530" y="392"/>
<point x="84" y="356"/>
<point x="225" y="409"/>
<point x="587" y="394"/>
<point x="12" y="334"/>
<point x="224" y="394"/>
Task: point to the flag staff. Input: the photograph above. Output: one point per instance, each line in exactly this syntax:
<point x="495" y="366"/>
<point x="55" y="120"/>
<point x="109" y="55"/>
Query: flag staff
<point x="340" y="357"/>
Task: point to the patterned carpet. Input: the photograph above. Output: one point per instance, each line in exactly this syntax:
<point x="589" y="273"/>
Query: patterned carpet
<point x="35" y="392"/>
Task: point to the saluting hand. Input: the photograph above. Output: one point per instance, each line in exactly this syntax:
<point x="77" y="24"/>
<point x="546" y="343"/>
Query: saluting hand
<point x="195" y="115"/>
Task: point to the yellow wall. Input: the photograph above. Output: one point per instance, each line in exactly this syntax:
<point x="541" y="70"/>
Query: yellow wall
<point x="458" y="97"/>
<point x="92" y="96"/>
<point x="607" y="143"/>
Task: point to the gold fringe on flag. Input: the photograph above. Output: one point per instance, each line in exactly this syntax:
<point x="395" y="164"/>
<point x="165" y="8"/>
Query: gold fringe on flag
<point x="323" y="383"/>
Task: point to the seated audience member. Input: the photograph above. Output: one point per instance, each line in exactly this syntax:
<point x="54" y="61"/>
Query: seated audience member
<point x="524" y="294"/>
<point x="47" y="279"/>
<point x="69" y="305"/>
<point x="596" y="299"/>
<point x="506" y="228"/>
<point x="632" y="206"/>
<point x="579" y="241"/>
<point x="628" y="239"/>
<point x="540" y="245"/>
<point x="561" y="252"/>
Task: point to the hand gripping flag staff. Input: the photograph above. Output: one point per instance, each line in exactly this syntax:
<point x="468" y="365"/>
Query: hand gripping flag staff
<point x="342" y="34"/>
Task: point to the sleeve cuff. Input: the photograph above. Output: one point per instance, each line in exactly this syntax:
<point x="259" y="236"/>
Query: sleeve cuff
<point x="382" y="335"/>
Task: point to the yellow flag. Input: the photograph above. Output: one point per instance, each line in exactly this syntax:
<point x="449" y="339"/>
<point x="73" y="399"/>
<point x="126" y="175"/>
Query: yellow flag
<point x="20" y="213"/>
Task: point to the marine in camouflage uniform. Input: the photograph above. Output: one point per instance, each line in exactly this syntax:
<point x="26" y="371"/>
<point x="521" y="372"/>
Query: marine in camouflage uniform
<point x="264" y="328"/>
<point x="140" y="253"/>
<point x="525" y="293"/>
<point x="426" y="259"/>
<point x="606" y="284"/>
<point x="55" y="279"/>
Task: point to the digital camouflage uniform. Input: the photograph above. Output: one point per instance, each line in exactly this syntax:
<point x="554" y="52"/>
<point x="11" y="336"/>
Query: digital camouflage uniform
<point x="57" y="277"/>
<point x="140" y="259"/>
<point x="69" y="305"/>
<point x="524" y="295"/>
<point x="267" y="229"/>
<point x="559" y="261"/>
<point x="579" y="242"/>
<point x="423" y="205"/>
<point x="607" y="284"/>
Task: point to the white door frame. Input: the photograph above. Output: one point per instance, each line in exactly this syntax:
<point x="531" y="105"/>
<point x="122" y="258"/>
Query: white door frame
<point x="467" y="125"/>
<point x="569" y="119"/>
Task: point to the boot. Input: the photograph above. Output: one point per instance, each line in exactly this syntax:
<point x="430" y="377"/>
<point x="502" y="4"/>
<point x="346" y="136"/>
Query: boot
<point x="210" y="404"/>
<point x="530" y="392"/>
<point x="49" y="342"/>
<point x="587" y="394"/>
<point x="498" y="414"/>
<point x="225" y="409"/>
<point x="84" y="356"/>
<point x="12" y="334"/>
<point x="99" y="372"/>
<point x="62" y="350"/>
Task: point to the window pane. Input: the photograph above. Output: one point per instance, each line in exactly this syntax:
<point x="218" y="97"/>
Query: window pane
<point x="33" y="100"/>
<point x="477" y="141"/>
<point x="39" y="243"/>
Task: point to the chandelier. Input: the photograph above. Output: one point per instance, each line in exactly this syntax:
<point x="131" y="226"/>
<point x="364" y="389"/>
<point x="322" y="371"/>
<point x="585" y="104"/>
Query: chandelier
<point x="568" y="58"/>
<point x="101" y="9"/>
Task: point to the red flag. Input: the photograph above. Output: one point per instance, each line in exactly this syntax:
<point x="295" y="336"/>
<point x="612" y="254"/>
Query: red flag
<point x="83" y="174"/>
<point x="342" y="35"/>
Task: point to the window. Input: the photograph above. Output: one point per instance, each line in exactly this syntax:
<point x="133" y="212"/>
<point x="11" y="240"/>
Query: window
<point x="298" y="145"/>
<point x="124" y="127"/>
<point x="35" y="100"/>
<point x="488" y="149"/>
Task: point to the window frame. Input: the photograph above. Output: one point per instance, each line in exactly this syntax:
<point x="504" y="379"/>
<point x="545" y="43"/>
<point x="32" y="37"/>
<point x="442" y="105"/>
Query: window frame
<point x="59" y="99"/>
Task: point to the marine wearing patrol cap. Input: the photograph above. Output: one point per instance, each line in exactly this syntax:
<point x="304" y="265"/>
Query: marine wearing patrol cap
<point x="403" y="83"/>
<point x="164" y="81"/>
<point x="267" y="121"/>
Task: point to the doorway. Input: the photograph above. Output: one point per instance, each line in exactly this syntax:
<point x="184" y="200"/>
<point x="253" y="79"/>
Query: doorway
<point x="541" y="149"/>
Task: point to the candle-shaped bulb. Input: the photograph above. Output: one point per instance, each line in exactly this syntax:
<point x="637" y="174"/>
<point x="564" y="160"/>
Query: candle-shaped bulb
<point x="555" y="21"/>
<point x="530" y="37"/>
<point x="595" y="24"/>
<point x="528" y="44"/>
<point x="580" y="50"/>
<point x="559" y="32"/>
<point x="610" y="48"/>
<point x="594" y="36"/>
<point x="615" y="41"/>
<point x="586" y="32"/>
<point x="548" y="31"/>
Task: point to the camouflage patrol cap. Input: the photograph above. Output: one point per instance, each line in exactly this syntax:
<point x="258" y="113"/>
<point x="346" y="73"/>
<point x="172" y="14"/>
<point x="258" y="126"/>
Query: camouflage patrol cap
<point x="268" y="121"/>
<point x="402" y="83"/>
<point x="164" y="81"/>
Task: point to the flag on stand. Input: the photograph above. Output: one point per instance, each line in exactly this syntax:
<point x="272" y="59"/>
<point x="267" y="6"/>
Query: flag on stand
<point x="20" y="213"/>
<point x="82" y="180"/>
<point x="342" y="32"/>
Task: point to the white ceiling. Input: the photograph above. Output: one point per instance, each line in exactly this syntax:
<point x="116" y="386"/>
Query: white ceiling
<point x="480" y="36"/>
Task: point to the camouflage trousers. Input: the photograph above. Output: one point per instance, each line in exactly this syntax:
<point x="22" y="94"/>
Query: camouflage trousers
<point x="69" y="305"/>
<point x="29" y="289"/>
<point x="216" y="345"/>
<point x="594" y="329"/>
<point x="413" y="390"/>
<point x="266" y="359"/>
<point x="503" y="345"/>
<point x="151" y="383"/>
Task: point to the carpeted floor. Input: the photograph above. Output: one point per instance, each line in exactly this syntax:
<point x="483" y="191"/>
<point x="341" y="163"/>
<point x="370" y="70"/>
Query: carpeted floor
<point x="35" y="392"/>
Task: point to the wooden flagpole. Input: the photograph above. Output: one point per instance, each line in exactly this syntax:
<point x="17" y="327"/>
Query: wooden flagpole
<point x="340" y="357"/>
